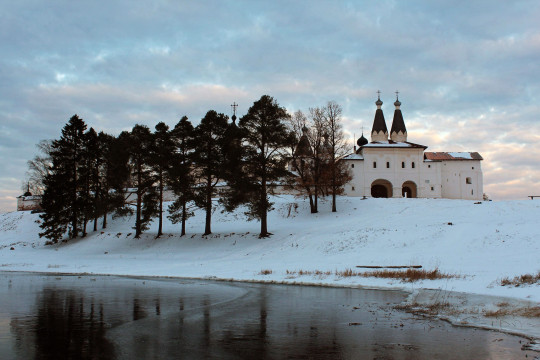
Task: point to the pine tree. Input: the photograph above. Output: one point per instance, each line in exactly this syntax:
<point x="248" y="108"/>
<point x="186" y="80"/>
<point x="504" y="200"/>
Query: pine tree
<point x="208" y="159"/>
<point x="62" y="201"/>
<point x="146" y="207"/>
<point x="160" y="161"/>
<point x="180" y="173"/>
<point x="114" y="175"/>
<point x="266" y="140"/>
<point x="234" y="194"/>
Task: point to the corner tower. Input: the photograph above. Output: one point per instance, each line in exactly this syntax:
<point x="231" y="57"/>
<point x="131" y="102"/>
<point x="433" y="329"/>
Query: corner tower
<point x="398" y="133"/>
<point x="379" y="131"/>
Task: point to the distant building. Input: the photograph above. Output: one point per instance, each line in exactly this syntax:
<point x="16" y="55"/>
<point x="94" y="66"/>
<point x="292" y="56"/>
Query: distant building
<point x="390" y="166"/>
<point x="27" y="201"/>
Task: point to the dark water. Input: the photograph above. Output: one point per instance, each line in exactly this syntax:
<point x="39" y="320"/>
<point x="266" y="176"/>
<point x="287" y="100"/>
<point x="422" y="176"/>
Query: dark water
<point x="57" y="317"/>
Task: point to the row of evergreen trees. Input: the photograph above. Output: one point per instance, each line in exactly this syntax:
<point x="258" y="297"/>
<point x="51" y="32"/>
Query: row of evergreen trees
<point x="88" y="173"/>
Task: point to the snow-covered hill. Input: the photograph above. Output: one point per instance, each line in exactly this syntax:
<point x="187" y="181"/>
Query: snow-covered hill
<point x="481" y="242"/>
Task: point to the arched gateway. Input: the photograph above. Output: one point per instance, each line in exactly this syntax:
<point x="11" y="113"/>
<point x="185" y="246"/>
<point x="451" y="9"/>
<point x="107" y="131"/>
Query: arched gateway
<point x="381" y="188"/>
<point x="409" y="190"/>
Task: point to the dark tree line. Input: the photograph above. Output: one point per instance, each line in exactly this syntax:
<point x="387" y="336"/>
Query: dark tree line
<point x="88" y="176"/>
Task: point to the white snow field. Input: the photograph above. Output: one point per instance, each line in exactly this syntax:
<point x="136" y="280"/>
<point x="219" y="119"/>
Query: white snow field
<point x="480" y="242"/>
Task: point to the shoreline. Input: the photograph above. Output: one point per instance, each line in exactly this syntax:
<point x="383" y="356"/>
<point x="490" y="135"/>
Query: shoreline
<point x="459" y="303"/>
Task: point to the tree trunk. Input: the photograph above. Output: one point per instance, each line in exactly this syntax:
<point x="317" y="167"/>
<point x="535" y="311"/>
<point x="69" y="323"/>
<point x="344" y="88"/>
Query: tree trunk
<point x="139" y="202"/>
<point x="105" y="220"/>
<point x="264" y="210"/>
<point x="160" y="227"/>
<point x="207" y="228"/>
<point x="312" y="207"/>
<point x="183" y="232"/>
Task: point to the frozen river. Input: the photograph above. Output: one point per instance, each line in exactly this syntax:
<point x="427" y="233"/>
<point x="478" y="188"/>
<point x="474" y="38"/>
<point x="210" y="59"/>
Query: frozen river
<point x="108" y="317"/>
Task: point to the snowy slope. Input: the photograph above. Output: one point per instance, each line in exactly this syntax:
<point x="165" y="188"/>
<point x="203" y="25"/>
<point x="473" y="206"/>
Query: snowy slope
<point x="481" y="242"/>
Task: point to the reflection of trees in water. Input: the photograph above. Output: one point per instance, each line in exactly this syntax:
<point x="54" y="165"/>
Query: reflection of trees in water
<point x="64" y="327"/>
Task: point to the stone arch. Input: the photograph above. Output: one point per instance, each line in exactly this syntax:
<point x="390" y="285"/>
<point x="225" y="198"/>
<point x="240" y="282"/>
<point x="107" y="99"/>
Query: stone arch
<point x="409" y="189"/>
<point x="381" y="188"/>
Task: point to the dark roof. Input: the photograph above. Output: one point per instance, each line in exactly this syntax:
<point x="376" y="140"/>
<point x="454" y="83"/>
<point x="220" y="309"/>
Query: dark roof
<point x="394" y="144"/>
<point x="378" y="122"/>
<point x="438" y="156"/>
<point x="398" y="124"/>
<point x="362" y="140"/>
<point x="303" y="148"/>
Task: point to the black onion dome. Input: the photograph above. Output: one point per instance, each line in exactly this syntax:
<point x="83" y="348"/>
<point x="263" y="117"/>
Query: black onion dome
<point x="234" y="118"/>
<point x="397" y="103"/>
<point x="362" y="141"/>
<point x="28" y="193"/>
<point x="378" y="102"/>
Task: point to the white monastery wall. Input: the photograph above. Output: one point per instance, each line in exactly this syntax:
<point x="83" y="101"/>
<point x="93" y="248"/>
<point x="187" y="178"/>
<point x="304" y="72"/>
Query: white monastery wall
<point x="462" y="179"/>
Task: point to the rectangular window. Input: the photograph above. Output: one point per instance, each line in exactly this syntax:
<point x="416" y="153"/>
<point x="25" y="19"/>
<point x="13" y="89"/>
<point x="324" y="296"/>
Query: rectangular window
<point x="432" y="188"/>
<point x="429" y="166"/>
<point x="352" y="165"/>
<point x="473" y="167"/>
<point x="412" y="165"/>
<point x="468" y="180"/>
<point x="388" y="165"/>
<point x="352" y="188"/>
<point x="403" y="164"/>
<point x="374" y="164"/>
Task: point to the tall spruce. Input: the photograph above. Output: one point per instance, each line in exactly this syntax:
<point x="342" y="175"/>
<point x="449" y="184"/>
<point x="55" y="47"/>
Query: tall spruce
<point x="92" y="166"/>
<point x="265" y="145"/>
<point x="115" y="175"/>
<point x="234" y="194"/>
<point x="62" y="202"/>
<point x="208" y="159"/>
<point x="180" y="173"/>
<point x="143" y="179"/>
<point x="160" y="161"/>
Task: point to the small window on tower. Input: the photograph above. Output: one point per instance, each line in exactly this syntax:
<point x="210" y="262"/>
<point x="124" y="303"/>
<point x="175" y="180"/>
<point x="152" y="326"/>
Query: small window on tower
<point x="374" y="164"/>
<point x="432" y="188"/>
<point x="352" y="165"/>
<point x="352" y="188"/>
<point x="412" y="165"/>
<point x="388" y="165"/>
<point x="468" y="180"/>
<point x="472" y="168"/>
<point x="403" y="164"/>
<point x="429" y="166"/>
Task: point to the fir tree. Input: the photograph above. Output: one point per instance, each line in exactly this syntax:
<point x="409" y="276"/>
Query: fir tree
<point x="266" y="140"/>
<point x="180" y="174"/>
<point x="208" y="159"/>
<point x="146" y="206"/>
<point x="160" y="161"/>
<point x="62" y="202"/>
<point x="114" y="176"/>
<point x="234" y="194"/>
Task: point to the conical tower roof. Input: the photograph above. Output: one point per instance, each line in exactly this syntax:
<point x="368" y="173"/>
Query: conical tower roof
<point x="398" y="132"/>
<point x="379" y="131"/>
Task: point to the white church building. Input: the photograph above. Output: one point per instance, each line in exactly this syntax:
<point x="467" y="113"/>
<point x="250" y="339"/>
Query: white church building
<point x="391" y="166"/>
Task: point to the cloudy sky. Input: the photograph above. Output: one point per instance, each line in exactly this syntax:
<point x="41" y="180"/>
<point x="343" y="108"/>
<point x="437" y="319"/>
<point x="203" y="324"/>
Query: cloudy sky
<point x="468" y="72"/>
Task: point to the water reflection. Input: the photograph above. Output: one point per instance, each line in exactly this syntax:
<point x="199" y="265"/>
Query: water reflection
<point x="116" y="318"/>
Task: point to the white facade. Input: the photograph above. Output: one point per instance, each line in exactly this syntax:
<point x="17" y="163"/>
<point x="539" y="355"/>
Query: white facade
<point x="397" y="168"/>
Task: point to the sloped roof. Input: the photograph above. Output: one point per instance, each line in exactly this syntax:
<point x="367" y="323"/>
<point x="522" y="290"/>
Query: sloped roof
<point x="393" y="144"/>
<point x="398" y="124"/>
<point x="353" y="156"/>
<point x="303" y="148"/>
<point x="438" y="156"/>
<point x="378" y="122"/>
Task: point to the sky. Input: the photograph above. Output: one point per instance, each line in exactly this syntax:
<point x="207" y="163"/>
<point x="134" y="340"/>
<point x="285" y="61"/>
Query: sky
<point x="467" y="72"/>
